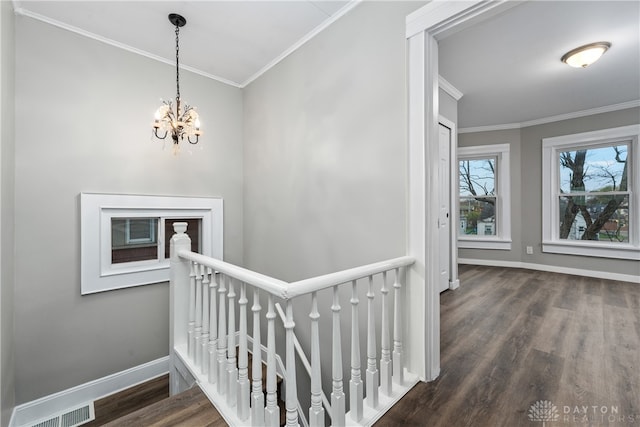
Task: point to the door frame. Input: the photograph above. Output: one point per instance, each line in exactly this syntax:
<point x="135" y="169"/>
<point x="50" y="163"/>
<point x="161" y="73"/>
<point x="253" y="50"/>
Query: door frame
<point x="435" y="19"/>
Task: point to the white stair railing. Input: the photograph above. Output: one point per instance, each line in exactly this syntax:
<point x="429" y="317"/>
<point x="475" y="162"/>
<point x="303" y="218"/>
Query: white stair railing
<point x="305" y="362"/>
<point x="203" y="340"/>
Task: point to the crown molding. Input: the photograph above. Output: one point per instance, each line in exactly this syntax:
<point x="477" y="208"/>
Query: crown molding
<point x="449" y="88"/>
<point x="490" y="128"/>
<point x="348" y="7"/>
<point x="551" y="119"/>
<point x="317" y="30"/>
<point x="80" y="31"/>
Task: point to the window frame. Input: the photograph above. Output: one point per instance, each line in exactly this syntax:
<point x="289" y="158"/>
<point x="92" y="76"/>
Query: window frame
<point x="99" y="274"/>
<point x="502" y="239"/>
<point x="551" y="147"/>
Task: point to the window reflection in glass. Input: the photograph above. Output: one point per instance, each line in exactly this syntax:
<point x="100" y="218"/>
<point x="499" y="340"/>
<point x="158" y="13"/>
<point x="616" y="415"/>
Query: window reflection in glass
<point x="134" y="239"/>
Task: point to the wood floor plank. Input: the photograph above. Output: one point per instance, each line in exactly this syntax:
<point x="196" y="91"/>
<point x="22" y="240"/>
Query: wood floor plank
<point x="130" y="400"/>
<point x="188" y="409"/>
<point x="613" y="295"/>
<point x="512" y="337"/>
<point x="557" y="325"/>
<point x="569" y="295"/>
<point x="621" y="367"/>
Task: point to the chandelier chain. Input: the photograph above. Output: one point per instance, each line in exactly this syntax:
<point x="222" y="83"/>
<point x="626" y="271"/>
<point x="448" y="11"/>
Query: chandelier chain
<point x="177" y="64"/>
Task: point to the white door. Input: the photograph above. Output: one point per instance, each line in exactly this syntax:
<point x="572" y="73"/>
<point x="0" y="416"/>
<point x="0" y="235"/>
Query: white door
<point x="444" y="228"/>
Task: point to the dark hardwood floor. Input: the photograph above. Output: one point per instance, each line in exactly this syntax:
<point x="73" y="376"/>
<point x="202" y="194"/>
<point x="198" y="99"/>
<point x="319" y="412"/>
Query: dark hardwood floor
<point x="187" y="409"/>
<point x="149" y="404"/>
<point x="130" y="400"/>
<point x="511" y="338"/>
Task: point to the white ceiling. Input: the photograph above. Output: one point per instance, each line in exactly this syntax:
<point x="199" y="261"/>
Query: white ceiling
<point x="508" y="66"/>
<point x="232" y="41"/>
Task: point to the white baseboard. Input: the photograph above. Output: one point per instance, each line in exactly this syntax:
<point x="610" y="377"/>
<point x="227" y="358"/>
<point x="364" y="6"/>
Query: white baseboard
<point x="30" y="412"/>
<point x="553" y="269"/>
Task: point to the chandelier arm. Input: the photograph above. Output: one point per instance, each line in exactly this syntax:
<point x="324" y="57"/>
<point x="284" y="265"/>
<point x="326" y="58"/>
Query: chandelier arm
<point x="193" y="142"/>
<point x="158" y="136"/>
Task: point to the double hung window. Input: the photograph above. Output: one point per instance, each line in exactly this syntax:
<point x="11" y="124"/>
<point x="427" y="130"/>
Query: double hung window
<point x="483" y="182"/>
<point x="590" y="193"/>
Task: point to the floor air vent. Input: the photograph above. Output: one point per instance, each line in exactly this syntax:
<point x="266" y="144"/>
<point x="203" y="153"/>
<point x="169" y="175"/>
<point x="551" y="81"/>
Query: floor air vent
<point x="71" y="418"/>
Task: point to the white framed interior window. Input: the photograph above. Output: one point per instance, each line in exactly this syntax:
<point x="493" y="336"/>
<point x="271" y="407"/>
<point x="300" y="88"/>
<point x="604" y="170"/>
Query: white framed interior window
<point x="590" y="193"/>
<point x="484" y="197"/>
<point x="124" y="239"/>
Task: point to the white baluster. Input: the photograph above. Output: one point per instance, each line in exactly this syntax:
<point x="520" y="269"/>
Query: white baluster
<point x="243" y="396"/>
<point x="355" y="383"/>
<point x="385" y="345"/>
<point x="271" y="411"/>
<point x="372" y="368"/>
<point x="192" y="313"/>
<point x="213" y="327"/>
<point x="197" y="331"/>
<point x="337" y="394"/>
<point x="204" y="339"/>
<point x="398" y="363"/>
<point x="291" y="401"/>
<point x="222" y="337"/>
<point x="257" y="399"/>
<point x="316" y="412"/>
<point x="232" y="368"/>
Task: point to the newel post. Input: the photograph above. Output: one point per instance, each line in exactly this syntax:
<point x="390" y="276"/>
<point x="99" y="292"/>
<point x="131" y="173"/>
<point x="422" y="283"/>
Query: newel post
<point x="178" y="299"/>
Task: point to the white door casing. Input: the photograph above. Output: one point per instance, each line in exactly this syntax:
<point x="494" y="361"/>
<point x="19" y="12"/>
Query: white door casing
<point x="423" y="295"/>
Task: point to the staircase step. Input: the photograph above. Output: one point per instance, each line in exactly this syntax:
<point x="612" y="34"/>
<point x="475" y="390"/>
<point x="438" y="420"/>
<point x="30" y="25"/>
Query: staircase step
<point x="187" y="409"/>
<point x="283" y="411"/>
<point x="264" y="374"/>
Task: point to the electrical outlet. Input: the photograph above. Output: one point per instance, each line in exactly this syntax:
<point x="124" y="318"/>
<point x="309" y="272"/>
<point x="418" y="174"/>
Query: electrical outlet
<point x="529" y="250"/>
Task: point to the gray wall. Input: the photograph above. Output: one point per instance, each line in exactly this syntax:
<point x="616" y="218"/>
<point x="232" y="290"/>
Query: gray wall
<point x="83" y="115"/>
<point x="448" y="106"/>
<point x="325" y="149"/>
<point x="7" y="151"/>
<point x="325" y="160"/>
<point x="527" y="187"/>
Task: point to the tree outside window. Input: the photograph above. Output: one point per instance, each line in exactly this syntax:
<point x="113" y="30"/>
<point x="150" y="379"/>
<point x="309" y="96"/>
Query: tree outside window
<point x="478" y="196"/>
<point x="594" y="196"/>
<point x="484" y="197"/>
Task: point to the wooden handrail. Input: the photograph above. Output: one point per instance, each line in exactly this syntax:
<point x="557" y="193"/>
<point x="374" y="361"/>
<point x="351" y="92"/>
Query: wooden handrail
<point x="288" y="290"/>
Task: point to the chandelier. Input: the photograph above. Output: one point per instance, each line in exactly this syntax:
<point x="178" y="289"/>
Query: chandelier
<point x="183" y="122"/>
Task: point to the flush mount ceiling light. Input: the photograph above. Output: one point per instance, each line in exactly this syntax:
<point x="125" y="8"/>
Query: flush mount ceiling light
<point x="183" y="121"/>
<point x="586" y="55"/>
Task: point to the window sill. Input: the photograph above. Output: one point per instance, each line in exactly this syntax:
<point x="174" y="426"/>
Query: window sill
<point x="484" y="243"/>
<point x="592" y="249"/>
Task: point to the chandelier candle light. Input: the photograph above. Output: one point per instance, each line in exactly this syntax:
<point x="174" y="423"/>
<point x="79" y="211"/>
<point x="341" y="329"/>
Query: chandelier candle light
<point x="184" y="121"/>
